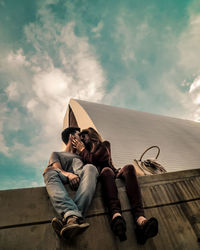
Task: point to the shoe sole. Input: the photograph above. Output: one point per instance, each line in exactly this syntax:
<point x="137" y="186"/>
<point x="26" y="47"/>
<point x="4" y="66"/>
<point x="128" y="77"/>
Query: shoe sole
<point x="57" y="226"/>
<point x="72" y="230"/>
<point x="150" y="231"/>
<point x="118" y="226"/>
<point x="152" y="228"/>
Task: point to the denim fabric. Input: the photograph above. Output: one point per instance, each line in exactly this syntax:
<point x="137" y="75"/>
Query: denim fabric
<point x="61" y="201"/>
<point x="86" y="187"/>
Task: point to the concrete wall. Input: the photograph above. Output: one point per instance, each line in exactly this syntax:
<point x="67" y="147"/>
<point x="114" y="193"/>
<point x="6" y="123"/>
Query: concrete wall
<point x="173" y="198"/>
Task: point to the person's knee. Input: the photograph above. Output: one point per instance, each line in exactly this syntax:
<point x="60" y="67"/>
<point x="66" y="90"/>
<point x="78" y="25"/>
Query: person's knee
<point x="107" y="172"/>
<point x="51" y="174"/>
<point x="90" y="170"/>
<point x="129" y="169"/>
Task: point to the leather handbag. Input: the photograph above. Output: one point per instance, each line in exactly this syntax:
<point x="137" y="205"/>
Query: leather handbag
<point x="148" y="166"/>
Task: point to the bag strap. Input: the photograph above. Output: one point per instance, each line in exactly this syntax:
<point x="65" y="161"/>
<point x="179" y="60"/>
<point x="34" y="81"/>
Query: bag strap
<point x="148" y="150"/>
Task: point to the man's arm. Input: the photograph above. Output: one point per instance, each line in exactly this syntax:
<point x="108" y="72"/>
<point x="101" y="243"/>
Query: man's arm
<point x="73" y="178"/>
<point x="54" y="163"/>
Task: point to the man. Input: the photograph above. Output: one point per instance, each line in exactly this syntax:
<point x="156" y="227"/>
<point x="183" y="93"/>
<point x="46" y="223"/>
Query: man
<point x="67" y="167"/>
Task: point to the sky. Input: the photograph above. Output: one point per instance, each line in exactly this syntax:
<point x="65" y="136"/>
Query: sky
<point x="137" y="54"/>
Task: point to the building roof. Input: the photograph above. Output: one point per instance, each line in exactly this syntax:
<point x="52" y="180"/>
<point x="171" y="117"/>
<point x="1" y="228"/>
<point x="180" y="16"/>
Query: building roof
<point x="131" y="132"/>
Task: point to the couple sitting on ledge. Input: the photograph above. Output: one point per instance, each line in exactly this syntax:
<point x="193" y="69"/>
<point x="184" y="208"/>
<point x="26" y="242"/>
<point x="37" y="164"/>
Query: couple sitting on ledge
<point x="85" y="160"/>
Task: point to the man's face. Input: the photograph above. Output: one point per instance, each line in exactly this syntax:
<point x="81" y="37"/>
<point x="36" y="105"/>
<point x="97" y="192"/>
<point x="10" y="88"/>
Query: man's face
<point x="76" y="135"/>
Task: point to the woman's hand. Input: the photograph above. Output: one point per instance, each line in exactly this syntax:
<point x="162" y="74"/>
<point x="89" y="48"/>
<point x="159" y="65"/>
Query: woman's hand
<point x="78" y="145"/>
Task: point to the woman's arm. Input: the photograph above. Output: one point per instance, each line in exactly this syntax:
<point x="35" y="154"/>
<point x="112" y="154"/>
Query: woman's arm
<point x="100" y="156"/>
<point x="95" y="156"/>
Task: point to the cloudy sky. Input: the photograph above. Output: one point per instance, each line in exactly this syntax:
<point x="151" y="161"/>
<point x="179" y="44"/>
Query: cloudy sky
<point x="138" y="54"/>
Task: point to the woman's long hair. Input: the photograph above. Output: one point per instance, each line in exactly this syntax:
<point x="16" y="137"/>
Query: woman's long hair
<point x="94" y="136"/>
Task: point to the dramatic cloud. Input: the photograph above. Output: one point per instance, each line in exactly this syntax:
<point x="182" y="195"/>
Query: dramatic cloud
<point x="3" y="147"/>
<point x="189" y="48"/>
<point x="195" y="90"/>
<point x="60" y="66"/>
<point x="79" y="76"/>
<point x="124" y="54"/>
<point x="12" y="91"/>
<point x="17" y="58"/>
<point x="97" y="30"/>
<point x="189" y="45"/>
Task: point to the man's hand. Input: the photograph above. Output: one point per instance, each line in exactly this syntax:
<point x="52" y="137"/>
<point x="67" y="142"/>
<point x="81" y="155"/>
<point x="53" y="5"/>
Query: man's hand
<point x="73" y="180"/>
<point x="78" y="145"/>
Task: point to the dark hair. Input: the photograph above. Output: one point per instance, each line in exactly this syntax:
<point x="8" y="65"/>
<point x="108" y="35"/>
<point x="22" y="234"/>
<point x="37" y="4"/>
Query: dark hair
<point x="68" y="131"/>
<point x="93" y="135"/>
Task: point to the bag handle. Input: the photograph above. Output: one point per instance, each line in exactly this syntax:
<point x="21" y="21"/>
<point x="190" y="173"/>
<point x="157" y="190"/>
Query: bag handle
<point x="148" y="150"/>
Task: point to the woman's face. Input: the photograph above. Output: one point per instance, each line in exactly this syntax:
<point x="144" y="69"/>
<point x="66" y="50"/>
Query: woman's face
<point x="85" y="138"/>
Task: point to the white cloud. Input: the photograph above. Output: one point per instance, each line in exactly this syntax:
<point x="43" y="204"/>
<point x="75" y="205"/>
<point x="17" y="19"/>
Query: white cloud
<point x="31" y="105"/>
<point x="194" y="92"/>
<point x="24" y="183"/>
<point x="127" y="47"/>
<point x="130" y="35"/>
<point x="189" y="45"/>
<point x="189" y="49"/>
<point x="12" y="91"/>
<point x="195" y="85"/>
<point x="45" y="88"/>
<point x="80" y="76"/>
<point x="97" y="30"/>
<point x="17" y="58"/>
<point x="3" y="148"/>
<point x="51" y="85"/>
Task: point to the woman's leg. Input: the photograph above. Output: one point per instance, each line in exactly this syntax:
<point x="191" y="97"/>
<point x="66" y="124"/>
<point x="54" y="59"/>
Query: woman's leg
<point x="110" y="192"/>
<point x="144" y="228"/>
<point x="128" y="173"/>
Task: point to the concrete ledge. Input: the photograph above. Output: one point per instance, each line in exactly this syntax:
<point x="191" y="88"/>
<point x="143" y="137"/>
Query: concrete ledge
<point x="173" y="198"/>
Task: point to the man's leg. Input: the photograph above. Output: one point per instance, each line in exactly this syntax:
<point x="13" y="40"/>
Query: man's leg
<point x="60" y="199"/>
<point x="64" y="205"/>
<point x="87" y="187"/>
<point x="83" y="198"/>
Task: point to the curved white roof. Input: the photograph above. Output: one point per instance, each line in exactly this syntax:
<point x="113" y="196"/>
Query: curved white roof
<point x="131" y="132"/>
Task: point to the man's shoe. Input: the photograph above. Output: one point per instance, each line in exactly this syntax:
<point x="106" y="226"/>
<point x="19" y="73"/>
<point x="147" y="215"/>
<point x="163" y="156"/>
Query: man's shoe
<point x="147" y="230"/>
<point x="118" y="226"/>
<point x="74" y="226"/>
<point x="57" y="225"/>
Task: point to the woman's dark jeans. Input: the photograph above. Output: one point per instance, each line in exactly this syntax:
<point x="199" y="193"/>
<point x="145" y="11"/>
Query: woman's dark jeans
<point x="110" y="192"/>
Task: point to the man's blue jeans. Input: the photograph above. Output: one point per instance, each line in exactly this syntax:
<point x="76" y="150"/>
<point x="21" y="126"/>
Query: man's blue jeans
<point x="61" y="201"/>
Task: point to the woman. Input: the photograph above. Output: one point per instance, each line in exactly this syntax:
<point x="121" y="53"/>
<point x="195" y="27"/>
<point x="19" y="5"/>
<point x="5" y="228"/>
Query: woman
<point x="94" y="150"/>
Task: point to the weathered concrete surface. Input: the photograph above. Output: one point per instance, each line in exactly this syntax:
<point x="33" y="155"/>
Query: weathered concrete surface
<point x="173" y="198"/>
